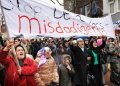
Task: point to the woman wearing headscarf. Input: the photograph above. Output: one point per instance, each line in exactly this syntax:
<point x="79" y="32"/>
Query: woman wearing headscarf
<point x="18" y="76"/>
<point x="47" y="74"/>
<point x="95" y="63"/>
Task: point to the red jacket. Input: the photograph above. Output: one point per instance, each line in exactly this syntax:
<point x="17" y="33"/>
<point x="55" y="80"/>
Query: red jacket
<point x="12" y="78"/>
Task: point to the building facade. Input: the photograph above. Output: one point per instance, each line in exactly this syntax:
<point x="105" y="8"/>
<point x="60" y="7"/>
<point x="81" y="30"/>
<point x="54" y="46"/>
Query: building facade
<point x="112" y="7"/>
<point x="90" y="8"/>
<point x="97" y="8"/>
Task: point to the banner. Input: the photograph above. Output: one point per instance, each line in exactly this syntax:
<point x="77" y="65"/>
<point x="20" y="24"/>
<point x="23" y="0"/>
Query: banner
<point x="31" y="18"/>
<point x="117" y="25"/>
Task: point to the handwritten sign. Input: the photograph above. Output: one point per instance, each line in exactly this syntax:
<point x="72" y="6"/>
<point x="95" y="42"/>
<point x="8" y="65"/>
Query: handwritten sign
<point x="30" y="18"/>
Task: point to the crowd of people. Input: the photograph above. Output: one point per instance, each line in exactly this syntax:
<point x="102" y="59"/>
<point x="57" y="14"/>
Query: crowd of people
<point x="58" y="61"/>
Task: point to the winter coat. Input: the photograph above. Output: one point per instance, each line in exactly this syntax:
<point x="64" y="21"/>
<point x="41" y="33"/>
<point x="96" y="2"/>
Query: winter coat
<point x="47" y="73"/>
<point x="112" y="51"/>
<point x="65" y="75"/>
<point x="12" y="77"/>
<point x="98" y="51"/>
<point x="80" y="65"/>
<point x="96" y="62"/>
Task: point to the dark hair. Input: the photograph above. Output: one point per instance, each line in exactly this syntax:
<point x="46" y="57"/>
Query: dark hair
<point x="24" y="55"/>
<point x="91" y="43"/>
<point x="19" y="46"/>
<point x="17" y="39"/>
<point x="112" y="39"/>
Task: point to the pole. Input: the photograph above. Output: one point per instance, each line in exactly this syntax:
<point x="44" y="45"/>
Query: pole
<point x="13" y="48"/>
<point x="15" y="56"/>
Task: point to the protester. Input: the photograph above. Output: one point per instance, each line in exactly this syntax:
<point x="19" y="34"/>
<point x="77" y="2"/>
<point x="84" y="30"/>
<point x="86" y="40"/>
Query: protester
<point x="2" y="74"/>
<point x="86" y="43"/>
<point x="103" y="60"/>
<point x="80" y="62"/>
<point x="34" y="47"/>
<point x="53" y="48"/>
<point x="113" y="52"/>
<point x="22" y="75"/>
<point x="66" y="71"/>
<point x="47" y="74"/>
<point x="2" y="69"/>
<point x="17" y="41"/>
<point x="4" y="32"/>
<point x="59" y="53"/>
<point x="96" y="65"/>
<point x="25" y="44"/>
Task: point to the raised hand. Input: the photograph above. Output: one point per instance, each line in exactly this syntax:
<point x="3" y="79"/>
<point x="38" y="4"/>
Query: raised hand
<point x="9" y="44"/>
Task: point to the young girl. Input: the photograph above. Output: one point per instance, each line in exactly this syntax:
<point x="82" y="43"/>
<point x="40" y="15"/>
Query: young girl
<point x="65" y="71"/>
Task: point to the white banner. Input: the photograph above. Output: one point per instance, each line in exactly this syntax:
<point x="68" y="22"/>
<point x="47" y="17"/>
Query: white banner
<point x="31" y="18"/>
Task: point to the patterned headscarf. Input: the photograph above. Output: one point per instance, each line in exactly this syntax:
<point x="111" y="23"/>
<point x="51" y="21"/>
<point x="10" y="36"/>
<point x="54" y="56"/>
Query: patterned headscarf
<point x="41" y="55"/>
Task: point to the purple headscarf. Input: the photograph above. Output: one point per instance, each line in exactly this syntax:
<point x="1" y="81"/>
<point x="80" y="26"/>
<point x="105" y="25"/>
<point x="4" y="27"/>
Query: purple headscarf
<point x="41" y="54"/>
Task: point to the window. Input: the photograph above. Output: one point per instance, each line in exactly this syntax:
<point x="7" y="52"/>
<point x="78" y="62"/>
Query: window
<point x="112" y="4"/>
<point x="88" y="10"/>
<point x="82" y="10"/>
<point x="111" y="7"/>
<point x="118" y="4"/>
<point x="110" y="0"/>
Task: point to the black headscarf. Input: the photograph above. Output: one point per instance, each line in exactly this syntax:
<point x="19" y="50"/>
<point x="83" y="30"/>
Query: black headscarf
<point x="91" y="45"/>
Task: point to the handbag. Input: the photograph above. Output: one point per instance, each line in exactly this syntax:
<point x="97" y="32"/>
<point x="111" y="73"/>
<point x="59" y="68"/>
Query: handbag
<point x="90" y="80"/>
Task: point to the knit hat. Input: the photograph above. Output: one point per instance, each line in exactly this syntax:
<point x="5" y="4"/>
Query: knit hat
<point x="79" y="39"/>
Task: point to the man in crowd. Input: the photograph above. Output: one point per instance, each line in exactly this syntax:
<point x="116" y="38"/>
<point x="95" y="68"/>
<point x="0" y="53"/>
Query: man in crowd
<point x="80" y="58"/>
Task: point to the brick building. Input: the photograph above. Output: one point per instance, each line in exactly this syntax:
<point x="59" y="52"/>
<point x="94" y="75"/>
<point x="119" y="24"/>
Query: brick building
<point x="85" y="7"/>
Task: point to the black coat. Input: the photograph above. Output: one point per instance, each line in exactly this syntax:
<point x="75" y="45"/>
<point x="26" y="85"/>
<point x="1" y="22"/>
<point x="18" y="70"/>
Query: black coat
<point x="96" y="69"/>
<point x="80" y="65"/>
<point x="98" y="51"/>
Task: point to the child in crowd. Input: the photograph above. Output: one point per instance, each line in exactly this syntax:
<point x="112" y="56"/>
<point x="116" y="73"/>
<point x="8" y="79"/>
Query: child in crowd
<point x="65" y="71"/>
